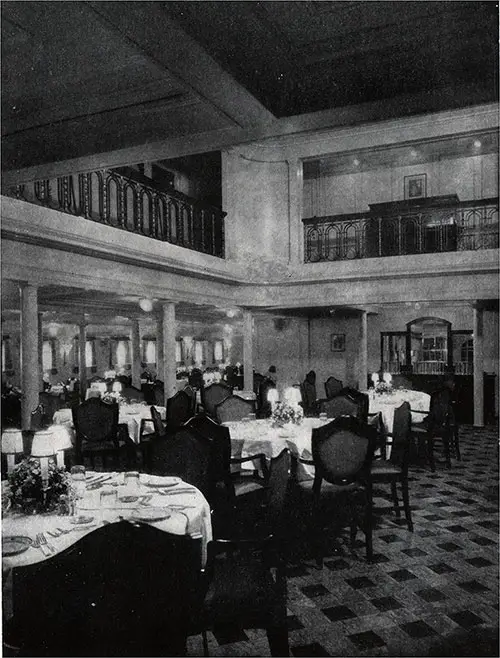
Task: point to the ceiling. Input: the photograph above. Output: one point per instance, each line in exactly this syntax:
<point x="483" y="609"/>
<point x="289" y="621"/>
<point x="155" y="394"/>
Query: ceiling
<point x="117" y="83"/>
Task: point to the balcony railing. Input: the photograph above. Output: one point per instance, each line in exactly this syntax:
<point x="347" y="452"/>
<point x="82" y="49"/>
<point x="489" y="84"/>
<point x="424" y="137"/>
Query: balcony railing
<point x="461" y="227"/>
<point x="132" y="203"/>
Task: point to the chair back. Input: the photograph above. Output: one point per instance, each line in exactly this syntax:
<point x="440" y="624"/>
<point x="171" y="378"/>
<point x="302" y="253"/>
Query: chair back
<point x="160" y="431"/>
<point x="189" y="390"/>
<point x="133" y="393"/>
<point x="96" y="421"/>
<point x="186" y="453"/>
<point x="221" y="440"/>
<point x="332" y="387"/>
<point x="309" y="397"/>
<point x="159" y="393"/>
<point x="277" y="490"/>
<point x="257" y="381"/>
<point x="122" y="590"/>
<point x="196" y="378"/>
<point x="212" y="395"/>
<point x="179" y="409"/>
<point x="342" y="450"/>
<point x="441" y="412"/>
<point x="96" y="379"/>
<point x="51" y="404"/>
<point x="361" y="398"/>
<point x="233" y="408"/>
<point x="38" y="418"/>
<point x="400" y="451"/>
<point x="340" y="405"/>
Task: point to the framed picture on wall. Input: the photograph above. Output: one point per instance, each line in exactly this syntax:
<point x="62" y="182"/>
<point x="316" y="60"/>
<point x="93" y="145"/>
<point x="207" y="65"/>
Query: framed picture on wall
<point x="416" y="186"/>
<point x="337" y="342"/>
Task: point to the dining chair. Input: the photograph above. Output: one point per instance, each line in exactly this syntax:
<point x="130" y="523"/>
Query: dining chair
<point x="309" y="397"/>
<point x="212" y="395"/>
<point x="340" y="405"/>
<point x="132" y="393"/>
<point x="233" y="408"/>
<point x="264" y="409"/>
<point x="245" y="576"/>
<point x="179" y="409"/>
<point x="192" y="394"/>
<point x="38" y="418"/>
<point x="124" y="589"/>
<point x="332" y="386"/>
<point x="395" y="469"/>
<point x="439" y="425"/>
<point x="342" y="452"/>
<point x="97" y="433"/>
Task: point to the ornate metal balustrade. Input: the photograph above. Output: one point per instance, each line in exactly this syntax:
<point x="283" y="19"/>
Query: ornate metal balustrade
<point x="462" y="227"/>
<point x="132" y="204"/>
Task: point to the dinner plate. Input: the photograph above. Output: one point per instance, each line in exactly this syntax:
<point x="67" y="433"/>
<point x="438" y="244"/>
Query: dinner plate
<point x="151" y="514"/>
<point x="161" y="482"/>
<point x="128" y="499"/>
<point x="15" y="545"/>
<point x="81" y="520"/>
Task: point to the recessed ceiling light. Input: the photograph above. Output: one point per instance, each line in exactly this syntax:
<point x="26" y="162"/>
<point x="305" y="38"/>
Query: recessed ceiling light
<point x="146" y="305"/>
<point x="477" y="143"/>
<point x="413" y="153"/>
<point x="356" y="162"/>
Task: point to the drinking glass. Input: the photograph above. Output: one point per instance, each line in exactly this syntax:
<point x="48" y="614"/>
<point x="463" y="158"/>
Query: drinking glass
<point x="131" y="480"/>
<point x="108" y="497"/>
<point x="78" y="485"/>
<point x="323" y="416"/>
<point x="252" y="417"/>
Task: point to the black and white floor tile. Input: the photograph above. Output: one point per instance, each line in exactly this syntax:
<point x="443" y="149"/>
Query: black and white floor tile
<point x="433" y="592"/>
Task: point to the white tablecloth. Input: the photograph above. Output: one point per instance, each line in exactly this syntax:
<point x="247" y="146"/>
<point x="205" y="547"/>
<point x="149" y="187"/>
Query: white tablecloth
<point x="387" y="402"/>
<point x="130" y="415"/>
<point x="189" y="514"/>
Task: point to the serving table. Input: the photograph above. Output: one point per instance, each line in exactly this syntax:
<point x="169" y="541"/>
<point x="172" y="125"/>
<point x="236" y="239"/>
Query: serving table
<point x="131" y="415"/>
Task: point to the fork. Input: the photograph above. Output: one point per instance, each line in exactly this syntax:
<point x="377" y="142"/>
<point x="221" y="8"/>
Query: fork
<point x="44" y="542"/>
<point x="38" y="543"/>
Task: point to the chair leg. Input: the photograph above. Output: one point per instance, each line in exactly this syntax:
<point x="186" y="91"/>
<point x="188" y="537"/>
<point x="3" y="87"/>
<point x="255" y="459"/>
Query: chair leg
<point x="205" y="643"/>
<point x="406" y="503"/>
<point x="394" y="492"/>
<point x="430" y="454"/>
<point x="456" y="444"/>
<point x="369" y="523"/>
<point x="446" y="444"/>
<point x="277" y="636"/>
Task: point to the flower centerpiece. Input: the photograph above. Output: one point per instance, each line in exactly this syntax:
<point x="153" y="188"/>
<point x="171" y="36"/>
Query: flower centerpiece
<point x="285" y="413"/>
<point x="113" y="397"/>
<point x="26" y="487"/>
<point x="383" y="387"/>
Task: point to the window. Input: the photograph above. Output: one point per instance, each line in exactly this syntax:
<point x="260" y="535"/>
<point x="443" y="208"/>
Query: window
<point x="149" y="351"/>
<point x="218" y="351"/>
<point x="467" y="351"/>
<point x="49" y="355"/>
<point x="200" y="352"/>
<point x="90" y="355"/>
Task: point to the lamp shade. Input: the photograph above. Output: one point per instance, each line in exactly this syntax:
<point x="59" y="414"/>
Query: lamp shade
<point x="387" y="377"/>
<point x="272" y="395"/>
<point x="12" y="441"/>
<point x="43" y="444"/>
<point x="374" y="377"/>
<point x="292" y="396"/>
<point x="117" y="387"/>
<point x="61" y="437"/>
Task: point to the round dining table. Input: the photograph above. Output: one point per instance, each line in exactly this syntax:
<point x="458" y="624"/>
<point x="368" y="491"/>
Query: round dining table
<point x="168" y="503"/>
<point x="131" y="415"/>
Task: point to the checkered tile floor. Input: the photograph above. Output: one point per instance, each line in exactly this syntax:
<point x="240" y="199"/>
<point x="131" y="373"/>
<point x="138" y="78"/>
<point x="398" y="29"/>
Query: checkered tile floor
<point x="433" y="592"/>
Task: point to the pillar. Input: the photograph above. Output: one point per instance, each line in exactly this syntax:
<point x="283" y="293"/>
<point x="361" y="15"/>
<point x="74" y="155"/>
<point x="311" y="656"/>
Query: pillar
<point x="82" y="361"/>
<point x="169" y="363"/>
<point x="29" y="353"/>
<point x="363" y="352"/>
<point x="159" y="348"/>
<point x="295" y="186"/>
<point x="478" y="368"/>
<point x="136" y="354"/>
<point x="40" y="352"/>
<point x="247" y="351"/>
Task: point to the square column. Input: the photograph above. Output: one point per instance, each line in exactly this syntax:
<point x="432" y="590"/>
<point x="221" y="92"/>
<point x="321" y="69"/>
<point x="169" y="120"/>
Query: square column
<point x="136" y="355"/>
<point x="363" y="352"/>
<point x="478" y="368"/>
<point x="82" y="360"/>
<point x="29" y="353"/>
<point x="247" y="351"/>
<point x="169" y="363"/>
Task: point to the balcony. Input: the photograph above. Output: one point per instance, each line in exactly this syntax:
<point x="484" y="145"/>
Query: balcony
<point x="434" y="225"/>
<point x="127" y="200"/>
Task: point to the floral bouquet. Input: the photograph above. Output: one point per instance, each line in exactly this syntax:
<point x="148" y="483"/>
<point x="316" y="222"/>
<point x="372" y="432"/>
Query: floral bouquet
<point x="26" y="488"/>
<point x="383" y="387"/>
<point x="284" y="413"/>
<point x="112" y="397"/>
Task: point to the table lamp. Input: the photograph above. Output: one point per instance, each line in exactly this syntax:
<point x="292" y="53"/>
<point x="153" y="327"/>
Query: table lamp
<point x="12" y="444"/>
<point x="375" y="378"/>
<point x="43" y="447"/>
<point x="387" y="377"/>
<point x="272" y="397"/>
<point x="62" y="442"/>
<point x="292" y="396"/>
<point x="117" y="387"/>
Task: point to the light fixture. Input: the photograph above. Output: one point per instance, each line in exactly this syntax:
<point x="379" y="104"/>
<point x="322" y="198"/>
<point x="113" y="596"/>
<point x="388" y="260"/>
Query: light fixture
<point x="62" y="441"/>
<point x="117" y="387"/>
<point x="413" y="153"/>
<point x="12" y="444"/>
<point x="43" y="447"/>
<point x="387" y="377"/>
<point x="477" y="144"/>
<point x="356" y="162"/>
<point x="272" y="397"/>
<point x="292" y="396"/>
<point x="375" y="378"/>
<point x="146" y="305"/>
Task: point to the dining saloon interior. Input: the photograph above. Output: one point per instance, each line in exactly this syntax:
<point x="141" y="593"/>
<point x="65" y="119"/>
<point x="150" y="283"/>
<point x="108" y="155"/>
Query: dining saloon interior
<point x="250" y="328"/>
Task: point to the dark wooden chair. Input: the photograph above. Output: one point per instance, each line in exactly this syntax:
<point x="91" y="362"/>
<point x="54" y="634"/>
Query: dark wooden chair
<point x="97" y="433"/>
<point x="179" y="409"/>
<point x="212" y="395"/>
<point x="395" y="469"/>
<point x="263" y="405"/>
<point x="38" y="418"/>
<point x="133" y="393"/>
<point x="439" y="425"/>
<point x="309" y="397"/>
<point x="233" y="408"/>
<point x="123" y="590"/>
<point x="332" y="387"/>
<point x="246" y="581"/>
<point x="346" y="404"/>
<point x="189" y="390"/>
<point x="342" y="455"/>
